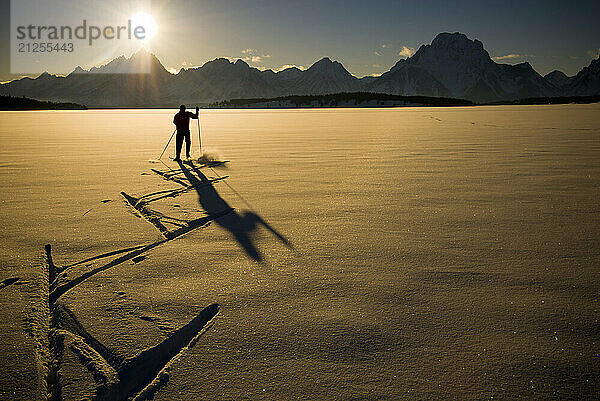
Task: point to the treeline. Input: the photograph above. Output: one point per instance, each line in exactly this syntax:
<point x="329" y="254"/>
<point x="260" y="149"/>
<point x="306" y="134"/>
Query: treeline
<point x="25" y="103"/>
<point x="343" y="99"/>
<point x="553" y="100"/>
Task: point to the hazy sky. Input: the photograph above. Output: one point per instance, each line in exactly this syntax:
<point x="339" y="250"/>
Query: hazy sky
<point x="367" y="37"/>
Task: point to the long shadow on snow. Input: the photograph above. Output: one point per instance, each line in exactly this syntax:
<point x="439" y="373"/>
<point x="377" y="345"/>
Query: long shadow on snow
<point x="57" y="290"/>
<point x="241" y="226"/>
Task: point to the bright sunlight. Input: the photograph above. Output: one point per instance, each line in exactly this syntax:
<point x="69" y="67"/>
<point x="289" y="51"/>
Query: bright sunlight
<point x="147" y="21"/>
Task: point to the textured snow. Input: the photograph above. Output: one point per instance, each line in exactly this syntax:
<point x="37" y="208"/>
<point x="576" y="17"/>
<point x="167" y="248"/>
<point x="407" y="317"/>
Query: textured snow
<point x="439" y="253"/>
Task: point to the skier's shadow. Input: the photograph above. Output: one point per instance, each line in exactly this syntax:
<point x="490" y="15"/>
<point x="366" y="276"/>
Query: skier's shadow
<point x="240" y="225"/>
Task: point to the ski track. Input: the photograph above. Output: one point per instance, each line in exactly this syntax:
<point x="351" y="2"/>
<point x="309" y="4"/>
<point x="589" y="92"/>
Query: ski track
<point x="8" y="281"/>
<point x="57" y="330"/>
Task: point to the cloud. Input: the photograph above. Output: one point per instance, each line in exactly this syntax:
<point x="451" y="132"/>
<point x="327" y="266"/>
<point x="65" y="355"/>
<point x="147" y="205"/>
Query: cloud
<point x="512" y="56"/>
<point x="406" y="51"/>
<point x="384" y="45"/>
<point x="377" y="54"/>
<point x="286" y="66"/>
<point x="254" y="52"/>
<point x="253" y="56"/>
<point x="507" y="57"/>
<point x="253" y="59"/>
<point x="186" y="65"/>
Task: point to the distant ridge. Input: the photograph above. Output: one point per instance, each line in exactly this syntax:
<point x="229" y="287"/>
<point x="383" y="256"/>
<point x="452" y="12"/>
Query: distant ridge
<point x="553" y="100"/>
<point x="452" y="66"/>
<point x="23" y="103"/>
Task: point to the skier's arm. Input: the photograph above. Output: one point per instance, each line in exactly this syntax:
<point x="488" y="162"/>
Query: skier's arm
<point x="195" y="116"/>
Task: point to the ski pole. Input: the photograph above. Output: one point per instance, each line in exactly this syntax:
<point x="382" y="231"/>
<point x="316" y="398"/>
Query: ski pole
<point x="167" y="145"/>
<point x="199" y="135"/>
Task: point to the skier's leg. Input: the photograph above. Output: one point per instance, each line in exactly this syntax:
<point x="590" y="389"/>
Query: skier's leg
<point x="178" y="143"/>
<point x="188" y="144"/>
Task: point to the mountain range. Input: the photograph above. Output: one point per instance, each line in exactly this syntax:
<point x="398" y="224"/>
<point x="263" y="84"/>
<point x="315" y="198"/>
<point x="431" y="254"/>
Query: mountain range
<point x="451" y="66"/>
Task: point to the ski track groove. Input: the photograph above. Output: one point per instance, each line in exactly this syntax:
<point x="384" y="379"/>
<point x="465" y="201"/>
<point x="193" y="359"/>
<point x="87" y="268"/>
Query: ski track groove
<point x="116" y="379"/>
<point x="8" y="281"/>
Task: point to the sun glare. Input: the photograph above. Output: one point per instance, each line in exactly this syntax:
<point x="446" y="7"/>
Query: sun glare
<point x="147" y="21"/>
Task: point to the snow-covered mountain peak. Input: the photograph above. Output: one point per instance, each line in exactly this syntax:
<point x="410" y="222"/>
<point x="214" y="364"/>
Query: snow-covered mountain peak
<point x="456" y="39"/>
<point x="324" y="61"/>
<point x="455" y="60"/>
<point x="328" y="67"/>
<point x="78" y="70"/>
<point x="451" y="66"/>
<point x="324" y="64"/>
<point x="141" y="61"/>
<point x="453" y="46"/>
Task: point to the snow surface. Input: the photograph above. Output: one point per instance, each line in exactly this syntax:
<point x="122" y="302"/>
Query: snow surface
<point x="435" y="252"/>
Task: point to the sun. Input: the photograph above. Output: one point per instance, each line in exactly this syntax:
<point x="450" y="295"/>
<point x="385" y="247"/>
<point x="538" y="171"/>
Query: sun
<point x="147" y="21"/>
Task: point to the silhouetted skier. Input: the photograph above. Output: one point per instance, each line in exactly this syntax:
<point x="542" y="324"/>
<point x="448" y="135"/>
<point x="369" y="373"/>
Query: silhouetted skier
<point x="182" y="122"/>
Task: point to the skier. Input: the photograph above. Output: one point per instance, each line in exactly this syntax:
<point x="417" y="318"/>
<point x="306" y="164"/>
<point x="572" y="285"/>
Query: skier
<point x="182" y="122"/>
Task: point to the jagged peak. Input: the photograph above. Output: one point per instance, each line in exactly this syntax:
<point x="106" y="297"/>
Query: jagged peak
<point x="524" y="65"/>
<point x="398" y="64"/>
<point x="78" y="70"/>
<point x="289" y="73"/>
<point x="592" y="68"/>
<point x="448" y="35"/>
<point x="112" y="62"/>
<point x="456" y="39"/>
<point x="557" y="78"/>
<point x="326" y="64"/>
<point x="217" y="61"/>
<point x="241" y="63"/>
<point x="144" y="53"/>
<point x="556" y="73"/>
<point x="324" y="60"/>
<point x="120" y="58"/>
<point x="294" y="68"/>
<point x="140" y="61"/>
<point x="449" y="46"/>
<point x="140" y="53"/>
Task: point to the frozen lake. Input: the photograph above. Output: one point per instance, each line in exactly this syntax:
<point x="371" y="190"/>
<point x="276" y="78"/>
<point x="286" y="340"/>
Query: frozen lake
<point x="435" y="252"/>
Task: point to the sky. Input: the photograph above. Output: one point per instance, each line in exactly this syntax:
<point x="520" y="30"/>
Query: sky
<point x="367" y="37"/>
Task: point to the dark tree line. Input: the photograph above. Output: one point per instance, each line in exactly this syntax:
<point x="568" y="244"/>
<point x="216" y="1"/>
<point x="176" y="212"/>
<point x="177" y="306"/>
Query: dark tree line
<point x="24" y="103"/>
<point x="353" y="98"/>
